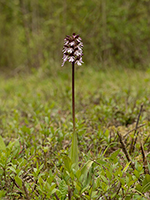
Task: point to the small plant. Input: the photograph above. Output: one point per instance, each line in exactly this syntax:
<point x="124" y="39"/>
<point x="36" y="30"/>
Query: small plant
<point x="72" y="51"/>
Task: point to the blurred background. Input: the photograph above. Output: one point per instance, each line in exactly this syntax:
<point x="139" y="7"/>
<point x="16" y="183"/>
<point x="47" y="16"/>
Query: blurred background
<point x="114" y="33"/>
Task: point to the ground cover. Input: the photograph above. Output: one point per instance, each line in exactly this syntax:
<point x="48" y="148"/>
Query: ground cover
<point x="112" y="122"/>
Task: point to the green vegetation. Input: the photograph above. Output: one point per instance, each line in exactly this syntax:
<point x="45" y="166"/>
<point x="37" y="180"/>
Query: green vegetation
<point x="36" y="130"/>
<point x="32" y="32"/>
<point x="112" y="104"/>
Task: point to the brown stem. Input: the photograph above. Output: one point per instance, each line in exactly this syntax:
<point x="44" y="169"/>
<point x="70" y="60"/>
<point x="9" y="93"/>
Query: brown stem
<point x="73" y="98"/>
<point x="125" y="150"/>
<point x="141" y="125"/>
<point x="25" y="190"/>
<point x="56" y="196"/>
<point x="69" y="193"/>
<point x="145" y="164"/>
<point x="137" y="122"/>
<point x="134" y="139"/>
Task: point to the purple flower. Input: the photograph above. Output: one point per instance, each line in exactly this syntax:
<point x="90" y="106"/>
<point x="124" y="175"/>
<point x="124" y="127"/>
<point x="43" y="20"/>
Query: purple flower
<point x="65" y="57"/>
<point x="72" y="43"/>
<point x="79" y="61"/>
<point x="78" y="52"/>
<point x="71" y="59"/>
<point x="72" y="49"/>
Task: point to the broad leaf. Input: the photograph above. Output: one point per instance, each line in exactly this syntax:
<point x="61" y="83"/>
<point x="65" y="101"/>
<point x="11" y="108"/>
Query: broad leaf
<point x="74" y="150"/>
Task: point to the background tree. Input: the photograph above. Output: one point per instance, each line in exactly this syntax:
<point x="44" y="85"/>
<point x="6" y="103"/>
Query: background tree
<point x="116" y="32"/>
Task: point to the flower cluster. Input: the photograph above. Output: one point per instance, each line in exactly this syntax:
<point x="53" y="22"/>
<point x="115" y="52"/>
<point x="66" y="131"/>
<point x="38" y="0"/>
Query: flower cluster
<point x="72" y="50"/>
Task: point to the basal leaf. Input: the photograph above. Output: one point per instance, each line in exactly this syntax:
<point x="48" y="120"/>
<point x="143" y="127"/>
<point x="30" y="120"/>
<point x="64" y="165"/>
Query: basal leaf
<point x="74" y="150"/>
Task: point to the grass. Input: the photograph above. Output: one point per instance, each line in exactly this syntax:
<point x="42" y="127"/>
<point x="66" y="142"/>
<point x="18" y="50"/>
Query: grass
<point x="36" y="127"/>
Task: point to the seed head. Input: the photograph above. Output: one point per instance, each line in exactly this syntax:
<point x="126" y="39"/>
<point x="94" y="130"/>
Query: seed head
<point x="72" y="49"/>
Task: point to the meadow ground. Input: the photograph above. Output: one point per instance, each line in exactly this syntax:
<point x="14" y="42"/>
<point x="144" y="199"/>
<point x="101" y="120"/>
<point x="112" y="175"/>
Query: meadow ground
<point x="112" y="122"/>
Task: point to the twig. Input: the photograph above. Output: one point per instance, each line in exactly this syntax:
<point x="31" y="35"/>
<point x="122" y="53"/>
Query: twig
<point x="147" y="139"/>
<point x="14" y="182"/>
<point x="35" y="185"/>
<point x="69" y="193"/>
<point x="119" y="187"/>
<point x="137" y="122"/>
<point x="145" y="164"/>
<point x="134" y="139"/>
<point x="141" y="125"/>
<point x="125" y="151"/>
<point x="25" y="190"/>
<point x="56" y="196"/>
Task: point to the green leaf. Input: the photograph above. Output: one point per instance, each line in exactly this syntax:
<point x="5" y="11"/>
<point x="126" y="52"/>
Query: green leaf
<point x="78" y="186"/>
<point x="145" y="185"/>
<point x="2" y="193"/>
<point x="2" y="144"/>
<point x="46" y="120"/>
<point x="18" y="181"/>
<point x="126" y="167"/>
<point x="12" y="168"/>
<point x="94" y="194"/>
<point x="63" y="189"/>
<point x="52" y="189"/>
<point x="86" y="173"/>
<point x="104" y="179"/>
<point x="74" y="150"/>
<point x="114" y="155"/>
<point x="109" y="174"/>
<point x="147" y="179"/>
<point x="137" y="174"/>
<point x="128" y="198"/>
<point x="86" y="167"/>
<point x="67" y="163"/>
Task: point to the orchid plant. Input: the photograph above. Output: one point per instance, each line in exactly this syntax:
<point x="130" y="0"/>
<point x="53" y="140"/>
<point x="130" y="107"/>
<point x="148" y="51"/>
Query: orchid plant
<point x="72" y="52"/>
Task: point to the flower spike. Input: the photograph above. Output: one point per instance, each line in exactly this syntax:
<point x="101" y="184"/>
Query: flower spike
<point x="72" y="49"/>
